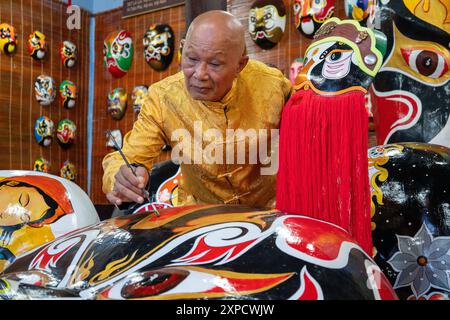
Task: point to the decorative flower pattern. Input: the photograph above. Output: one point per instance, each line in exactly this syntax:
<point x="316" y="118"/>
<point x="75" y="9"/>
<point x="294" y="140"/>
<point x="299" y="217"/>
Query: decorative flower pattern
<point x="422" y="262"/>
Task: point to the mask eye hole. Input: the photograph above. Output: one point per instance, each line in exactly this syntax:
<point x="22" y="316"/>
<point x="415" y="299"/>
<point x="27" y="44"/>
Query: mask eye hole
<point x="428" y="63"/>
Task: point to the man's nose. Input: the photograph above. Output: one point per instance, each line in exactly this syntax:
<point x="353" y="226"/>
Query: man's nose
<point x="201" y="71"/>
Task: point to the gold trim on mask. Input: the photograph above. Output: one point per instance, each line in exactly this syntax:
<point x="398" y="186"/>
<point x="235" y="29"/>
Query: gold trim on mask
<point x="435" y="12"/>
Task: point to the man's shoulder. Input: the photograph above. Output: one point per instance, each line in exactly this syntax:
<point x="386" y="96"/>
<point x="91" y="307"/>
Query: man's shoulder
<point x="259" y="69"/>
<point x="173" y="82"/>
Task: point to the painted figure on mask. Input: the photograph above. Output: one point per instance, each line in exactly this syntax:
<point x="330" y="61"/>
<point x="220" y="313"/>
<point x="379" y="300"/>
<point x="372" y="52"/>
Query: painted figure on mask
<point x="118" y="53"/>
<point x="363" y="11"/>
<point x="311" y="14"/>
<point x="117" y="103"/>
<point x="37" y="47"/>
<point x="68" y="54"/>
<point x="138" y="95"/>
<point x="8" y="42"/>
<point x="411" y="93"/>
<point x="327" y="120"/>
<point x="267" y="22"/>
<point x="43" y="131"/>
<point x="68" y="171"/>
<point x="295" y="68"/>
<point x="41" y="164"/>
<point x="66" y="132"/>
<point x="68" y="93"/>
<point x="44" y="89"/>
<point x="117" y="134"/>
<point x="159" y="46"/>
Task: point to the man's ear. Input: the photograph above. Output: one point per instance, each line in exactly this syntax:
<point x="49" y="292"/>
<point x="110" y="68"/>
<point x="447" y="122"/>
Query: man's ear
<point x="242" y="63"/>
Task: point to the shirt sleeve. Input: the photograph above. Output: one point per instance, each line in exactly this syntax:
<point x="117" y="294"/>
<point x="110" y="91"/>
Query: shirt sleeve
<point x="142" y="144"/>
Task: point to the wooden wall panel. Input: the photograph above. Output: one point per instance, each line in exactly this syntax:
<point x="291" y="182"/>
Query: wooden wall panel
<point x="18" y="107"/>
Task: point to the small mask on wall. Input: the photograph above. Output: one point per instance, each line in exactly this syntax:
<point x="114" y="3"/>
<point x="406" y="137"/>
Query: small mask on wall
<point x="68" y="171"/>
<point x="138" y="95"/>
<point x="159" y="46"/>
<point x="41" y="165"/>
<point x="37" y="46"/>
<point x="295" y="68"/>
<point x="68" y="54"/>
<point x="68" y="93"/>
<point x="118" y="53"/>
<point x="44" y="89"/>
<point x="8" y="41"/>
<point x="267" y="22"/>
<point x="363" y="11"/>
<point x="117" y="103"/>
<point x="43" y="131"/>
<point x="311" y="14"/>
<point x="117" y="134"/>
<point x="66" y="132"/>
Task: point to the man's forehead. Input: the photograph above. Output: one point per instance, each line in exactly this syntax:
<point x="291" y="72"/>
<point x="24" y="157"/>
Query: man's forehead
<point x="206" y="48"/>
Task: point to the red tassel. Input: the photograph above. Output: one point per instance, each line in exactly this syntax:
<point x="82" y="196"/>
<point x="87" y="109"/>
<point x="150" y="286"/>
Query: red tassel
<point x="323" y="166"/>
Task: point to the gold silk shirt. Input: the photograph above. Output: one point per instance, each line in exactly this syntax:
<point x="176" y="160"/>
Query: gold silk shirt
<point x="255" y="102"/>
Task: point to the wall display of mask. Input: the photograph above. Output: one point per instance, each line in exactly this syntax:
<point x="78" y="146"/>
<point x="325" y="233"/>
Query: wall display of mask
<point x="117" y="134"/>
<point x="363" y="11"/>
<point x="68" y="171"/>
<point x="66" y="132"/>
<point x="37" y="46"/>
<point x="41" y="165"/>
<point x="43" y="131"/>
<point x="295" y="68"/>
<point x="159" y="46"/>
<point x="68" y="93"/>
<point x="311" y="14"/>
<point x="44" y="89"/>
<point x="8" y="38"/>
<point x="138" y="95"/>
<point x="68" y="53"/>
<point x="117" y="103"/>
<point x="118" y="53"/>
<point x="267" y="22"/>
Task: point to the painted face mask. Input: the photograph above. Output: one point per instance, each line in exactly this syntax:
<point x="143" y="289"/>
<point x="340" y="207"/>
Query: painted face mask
<point x="118" y="53"/>
<point x="68" y="171"/>
<point x="311" y="14"/>
<point x="159" y="46"/>
<point x="138" y="96"/>
<point x="43" y="131"/>
<point x="267" y="21"/>
<point x="363" y="11"/>
<point x="68" y="54"/>
<point x="295" y="68"/>
<point x="66" y="132"/>
<point x="8" y="40"/>
<point x="68" y="93"/>
<point x="117" y="134"/>
<point x="37" y="46"/>
<point x="41" y="165"/>
<point x="44" y="89"/>
<point x="117" y="103"/>
<point x="411" y="93"/>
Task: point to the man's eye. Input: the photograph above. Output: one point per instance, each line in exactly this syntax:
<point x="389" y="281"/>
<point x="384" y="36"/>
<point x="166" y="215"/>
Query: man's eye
<point x="214" y="64"/>
<point x="426" y="62"/>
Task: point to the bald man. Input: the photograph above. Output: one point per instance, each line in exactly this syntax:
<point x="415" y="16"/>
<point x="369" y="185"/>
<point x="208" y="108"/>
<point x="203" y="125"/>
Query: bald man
<point x="199" y="112"/>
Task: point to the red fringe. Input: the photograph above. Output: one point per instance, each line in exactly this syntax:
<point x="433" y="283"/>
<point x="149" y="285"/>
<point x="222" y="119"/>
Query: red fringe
<point x="323" y="166"/>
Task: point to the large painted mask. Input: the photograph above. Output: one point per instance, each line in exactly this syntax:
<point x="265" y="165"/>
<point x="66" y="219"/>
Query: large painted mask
<point x="68" y="53"/>
<point x="337" y="62"/>
<point x="117" y="135"/>
<point x="311" y="14"/>
<point x="117" y="103"/>
<point x="43" y="131"/>
<point x="200" y="252"/>
<point x="411" y="93"/>
<point x="295" y="68"/>
<point x="66" y="132"/>
<point x="44" y="89"/>
<point x="363" y="11"/>
<point x="41" y="164"/>
<point x="37" y="47"/>
<point x="37" y="208"/>
<point x="68" y="171"/>
<point x="159" y="46"/>
<point x="68" y="93"/>
<point x="118" y="53"/>
<point x="410" y="193"/>
<point x="267" y="22"/>
<point x="8" y="41"/>
<point x="138" y="97"/>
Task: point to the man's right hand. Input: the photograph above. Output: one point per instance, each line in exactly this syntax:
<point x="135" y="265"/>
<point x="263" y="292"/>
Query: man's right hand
<point x="128" y="187"/>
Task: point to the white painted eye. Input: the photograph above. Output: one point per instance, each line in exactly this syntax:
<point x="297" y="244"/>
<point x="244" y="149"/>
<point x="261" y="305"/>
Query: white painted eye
<point x="426" y="62"/>
<point x="297" y="8"/>
<point x="337" y="64"/>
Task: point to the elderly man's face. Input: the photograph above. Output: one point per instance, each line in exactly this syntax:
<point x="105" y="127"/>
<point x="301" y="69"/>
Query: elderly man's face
<point x="210" y="63"/>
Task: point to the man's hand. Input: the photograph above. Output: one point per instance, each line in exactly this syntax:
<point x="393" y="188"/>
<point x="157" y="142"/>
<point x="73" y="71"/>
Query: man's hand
<point x="128" y="187"/>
